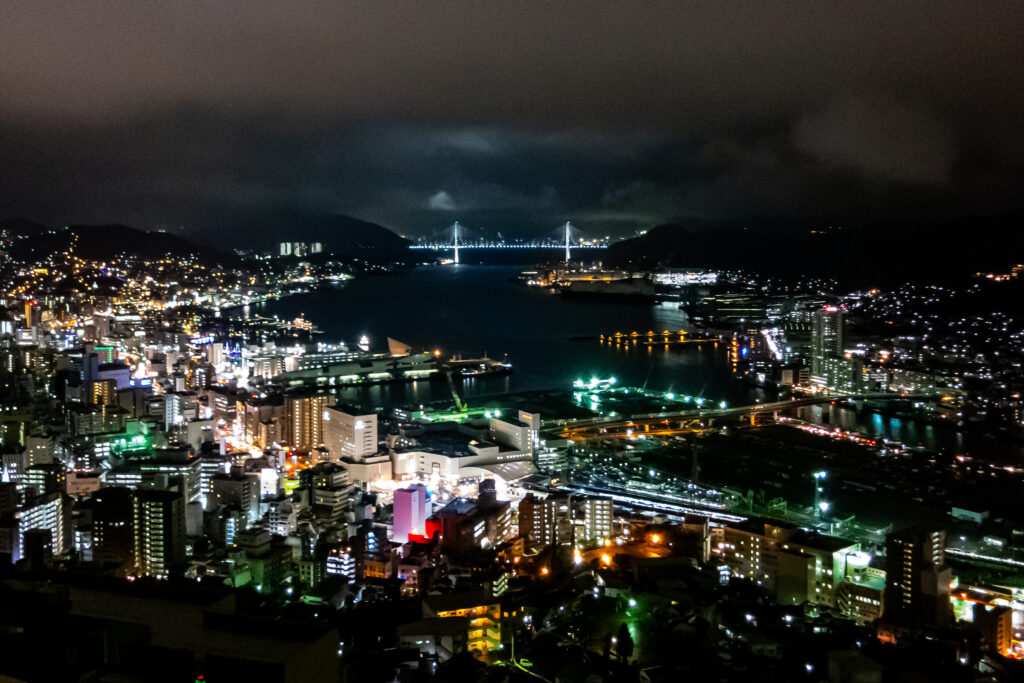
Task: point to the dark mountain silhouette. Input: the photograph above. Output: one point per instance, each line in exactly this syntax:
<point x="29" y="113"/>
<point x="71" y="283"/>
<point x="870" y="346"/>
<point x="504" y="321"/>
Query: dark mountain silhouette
<point x="880" y="252"/>
<point x="22" y="226"/>
<point x="103" y="241"/>
<point x="340" y="235"/>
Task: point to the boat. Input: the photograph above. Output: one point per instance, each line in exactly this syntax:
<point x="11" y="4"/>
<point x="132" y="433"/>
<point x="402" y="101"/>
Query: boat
<point x="628" y="288"/>
<point x="477" y="367"/>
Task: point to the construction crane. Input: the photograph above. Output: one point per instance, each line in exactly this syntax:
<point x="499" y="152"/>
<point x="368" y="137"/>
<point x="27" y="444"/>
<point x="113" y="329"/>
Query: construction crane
<point x="459" y="405"/>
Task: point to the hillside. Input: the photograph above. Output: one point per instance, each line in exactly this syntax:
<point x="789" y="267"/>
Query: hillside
<point x="340" y="235"/>
<point x="878" y="252"/>
<point x="102" y="241"/>
<point x="22" y="226"/>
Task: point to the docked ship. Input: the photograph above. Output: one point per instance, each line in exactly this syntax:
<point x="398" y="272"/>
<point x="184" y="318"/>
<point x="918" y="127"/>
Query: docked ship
<point x="401" y="364"/>
<point x="477" y="367"/>
<point x="610" y="286"/>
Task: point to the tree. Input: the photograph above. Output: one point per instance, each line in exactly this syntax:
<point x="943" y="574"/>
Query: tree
<point x="624" y="646"/>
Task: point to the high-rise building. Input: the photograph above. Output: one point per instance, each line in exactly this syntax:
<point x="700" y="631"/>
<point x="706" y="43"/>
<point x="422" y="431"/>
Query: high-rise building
<point x="545" y="521"/>
<point x="47" y="512"/>
<point x="465" y="524"/>
<point x="159" y="532"/>
<point x="792" y="565"/>
<point x="826" y="342"/>
<point x="348" y="435"/>
<point x="174" y="467"/>
<point x="305" y="417"/>
<point x="269" y="557"/>
<point x="411" y="510"/>
<point x="330" y="489"/>
<point x="240" y="489"/>
<point x="597" y="520"/>
<point x="39" y="450"/>
<point x="112" y="538"/>
<point x="995" y="623"/>
<point x="39" y="480"/>
<point x="282" y="516"/>
<point x="917" y="578"/>
<point x="103" y="392"/>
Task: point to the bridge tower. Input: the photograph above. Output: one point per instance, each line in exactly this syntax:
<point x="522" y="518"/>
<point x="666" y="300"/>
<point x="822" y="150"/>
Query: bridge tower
<point x="568" y="228"/>
<point x="456" y="242"/>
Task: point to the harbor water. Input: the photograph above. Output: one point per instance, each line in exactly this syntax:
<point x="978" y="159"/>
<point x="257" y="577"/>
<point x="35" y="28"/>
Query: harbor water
<point x="475" y="310"/>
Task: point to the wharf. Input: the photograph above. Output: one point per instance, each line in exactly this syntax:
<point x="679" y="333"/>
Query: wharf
<point x="651" y="338"/>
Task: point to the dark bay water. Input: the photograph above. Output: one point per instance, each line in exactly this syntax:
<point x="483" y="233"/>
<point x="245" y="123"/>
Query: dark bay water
<point x="475" y="309"/>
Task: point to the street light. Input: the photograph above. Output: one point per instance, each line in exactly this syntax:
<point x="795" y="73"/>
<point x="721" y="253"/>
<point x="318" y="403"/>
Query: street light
<point x="817" y="477"/>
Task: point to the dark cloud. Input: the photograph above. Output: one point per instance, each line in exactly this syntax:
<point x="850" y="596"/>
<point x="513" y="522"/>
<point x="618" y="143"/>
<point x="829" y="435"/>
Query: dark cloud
<point x="880" y="138"/>
<point x="513" y="116"/>
<point x="441" y="201"/>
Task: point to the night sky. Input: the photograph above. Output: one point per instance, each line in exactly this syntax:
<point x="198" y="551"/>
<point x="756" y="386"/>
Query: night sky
<point x="510" y="115"/>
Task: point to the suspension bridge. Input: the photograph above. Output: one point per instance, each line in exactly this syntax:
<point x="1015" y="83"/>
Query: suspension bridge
<point x="457" y="237"/>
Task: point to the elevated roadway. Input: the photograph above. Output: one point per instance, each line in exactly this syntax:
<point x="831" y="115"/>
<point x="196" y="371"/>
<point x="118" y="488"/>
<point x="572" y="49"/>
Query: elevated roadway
<point x="599" y="427"/>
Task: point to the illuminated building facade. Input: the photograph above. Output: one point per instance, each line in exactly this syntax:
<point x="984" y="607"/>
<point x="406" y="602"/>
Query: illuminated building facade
<point x="411" y="509"/>
<point x="47" y="512"/>
<point x="917" y="579"/>
<point x="159" y="532"/>
<point x="826" y="345"/>
<point x="483" y="615"/>
<point x="348" y="435"/>
<point x="793" y="565"/>
<point x="597" y="520"/>
<point x="546" y="521"/>
<point x="305" y="418"/>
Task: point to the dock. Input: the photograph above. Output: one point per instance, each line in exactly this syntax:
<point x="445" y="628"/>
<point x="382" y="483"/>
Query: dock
<point x="652" y="338"/>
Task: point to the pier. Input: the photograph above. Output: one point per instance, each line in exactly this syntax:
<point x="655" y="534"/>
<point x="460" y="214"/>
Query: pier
<point x="651" y="338"/>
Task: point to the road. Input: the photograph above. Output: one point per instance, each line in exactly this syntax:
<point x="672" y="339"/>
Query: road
<point x="597" y="427"/>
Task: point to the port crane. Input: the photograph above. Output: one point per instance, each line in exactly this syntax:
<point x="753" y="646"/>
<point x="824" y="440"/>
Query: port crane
<point x="459" y="404"/>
